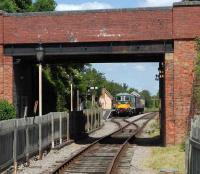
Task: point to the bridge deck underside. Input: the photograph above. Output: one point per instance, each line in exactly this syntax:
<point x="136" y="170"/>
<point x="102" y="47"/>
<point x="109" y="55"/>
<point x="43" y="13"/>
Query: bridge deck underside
<point x="102" y="52"/>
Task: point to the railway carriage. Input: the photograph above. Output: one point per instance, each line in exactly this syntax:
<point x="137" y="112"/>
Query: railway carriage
<point x="128" y="104"/>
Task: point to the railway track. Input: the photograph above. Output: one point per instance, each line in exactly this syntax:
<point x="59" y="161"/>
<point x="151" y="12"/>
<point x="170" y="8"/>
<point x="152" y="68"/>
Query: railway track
<point x="105" y="154"/>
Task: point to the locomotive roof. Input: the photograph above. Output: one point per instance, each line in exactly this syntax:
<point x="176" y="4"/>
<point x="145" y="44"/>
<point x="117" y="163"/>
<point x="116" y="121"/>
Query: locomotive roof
<point x="123" y="93"/>
<point x="135" y="94"/>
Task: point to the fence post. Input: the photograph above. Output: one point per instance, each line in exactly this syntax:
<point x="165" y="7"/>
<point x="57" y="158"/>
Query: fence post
<point x="99" y="118"/>
<point x="60" y="127"/>
<point x="91" y="114"/>
<point x="187" y="159"/>
<point x="15" y="147"/>
<point x="67" y="126"/>
<point x="94" y="116"/>
<point x="52" y="131"/>
<point x="40" y="137"/>
<point x="27" y="142"/>
<point x="88" y="121"/>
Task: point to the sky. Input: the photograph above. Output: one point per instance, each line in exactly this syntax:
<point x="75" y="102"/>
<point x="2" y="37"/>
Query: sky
<point x="64" y="5"/>
<point x="138" y="75"/>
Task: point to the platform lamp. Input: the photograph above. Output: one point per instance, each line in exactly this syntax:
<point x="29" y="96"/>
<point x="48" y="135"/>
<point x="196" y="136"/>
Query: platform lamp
<point x="40" y="55"/>
<point x="71" y="86"/>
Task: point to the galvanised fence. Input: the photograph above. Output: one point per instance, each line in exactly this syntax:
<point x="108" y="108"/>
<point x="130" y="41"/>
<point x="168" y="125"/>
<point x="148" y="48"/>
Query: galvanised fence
<point x="23" y="138"/>
<point x="193" y="148"/>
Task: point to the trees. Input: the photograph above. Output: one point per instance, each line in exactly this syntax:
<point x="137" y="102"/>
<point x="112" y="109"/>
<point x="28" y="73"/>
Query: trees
<point x="23" y="5"/>
<point x="91" y="77"/>
<point x="8" y="5"/>
<point x="12" y="6"/>
<point x="130" y="90"/>
<point x="43" y="5"/>
<point x="147" y="97"/>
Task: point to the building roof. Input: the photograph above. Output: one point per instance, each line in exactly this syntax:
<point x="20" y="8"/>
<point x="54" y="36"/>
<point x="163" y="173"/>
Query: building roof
<point x="107" y="92"/>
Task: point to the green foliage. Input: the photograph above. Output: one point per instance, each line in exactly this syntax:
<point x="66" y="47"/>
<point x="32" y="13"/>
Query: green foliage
<point x="147" y="97"/>
<point x="59" y="78"/>
<point x="183" y="146"/>
<point x="151" y="109"/>
<point x="23" y="5"/>
<point x="12" y="6"/>
<point x="91" y="77"/>
<point x="8" y="6"/>
<point x="43" y="5"/>
<point x="130" y="90"/>
<point x="115" y="88"/>
<point x="196" y="90"/>
<point x="7" y="110"/>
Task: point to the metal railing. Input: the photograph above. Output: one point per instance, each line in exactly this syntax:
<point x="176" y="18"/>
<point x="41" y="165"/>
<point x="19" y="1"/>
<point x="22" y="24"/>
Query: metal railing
<point x="19" y="138"/>
<point x="94" y="119"/>
<point x="193" y="148"/>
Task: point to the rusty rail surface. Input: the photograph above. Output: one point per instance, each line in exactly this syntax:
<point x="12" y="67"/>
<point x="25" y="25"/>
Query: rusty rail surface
<point x="101" y="156"/>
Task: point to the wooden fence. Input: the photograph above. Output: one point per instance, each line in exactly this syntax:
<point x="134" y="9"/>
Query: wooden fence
<point x="193" y="148"/>
<point x="22" y="138"/>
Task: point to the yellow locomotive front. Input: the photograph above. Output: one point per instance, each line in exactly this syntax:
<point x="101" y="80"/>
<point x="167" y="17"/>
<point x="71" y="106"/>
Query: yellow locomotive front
<point x="123" y="104"/>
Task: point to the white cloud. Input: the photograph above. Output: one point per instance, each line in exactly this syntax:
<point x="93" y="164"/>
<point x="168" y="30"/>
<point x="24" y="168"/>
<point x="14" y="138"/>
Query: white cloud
<point x="139" y="67"/>
<point x="154" y="3"/>
<point x="83" y="6"/>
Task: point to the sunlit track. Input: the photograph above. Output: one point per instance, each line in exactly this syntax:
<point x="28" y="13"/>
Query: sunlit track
<point x="102" y="155"/>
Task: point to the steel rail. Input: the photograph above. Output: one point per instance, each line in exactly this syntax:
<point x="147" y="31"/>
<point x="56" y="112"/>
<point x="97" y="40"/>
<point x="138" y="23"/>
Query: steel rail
<point x="65" y="163"/>
<point x="113" y="165"/>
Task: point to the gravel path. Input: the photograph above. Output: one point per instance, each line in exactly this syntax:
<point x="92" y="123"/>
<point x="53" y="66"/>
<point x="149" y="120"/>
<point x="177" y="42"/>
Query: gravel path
<point x="140" y="154"/>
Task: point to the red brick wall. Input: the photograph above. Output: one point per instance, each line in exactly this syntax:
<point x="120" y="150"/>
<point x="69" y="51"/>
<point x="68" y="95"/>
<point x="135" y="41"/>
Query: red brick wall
<point x="186" y="22"/>
<point x="119" y="25"/>
<point x="184" y="58"/>
<point x="1" y="28"/>
<point x="179" y="76"/>
<point x="169" y="125"/>
<point x="6" y="76"/>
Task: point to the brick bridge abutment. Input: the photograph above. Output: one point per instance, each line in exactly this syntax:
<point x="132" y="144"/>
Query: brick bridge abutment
<point x="180" y="24"/>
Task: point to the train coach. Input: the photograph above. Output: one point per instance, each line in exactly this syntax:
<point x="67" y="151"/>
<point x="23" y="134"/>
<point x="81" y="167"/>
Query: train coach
<point x="128" y="104"/>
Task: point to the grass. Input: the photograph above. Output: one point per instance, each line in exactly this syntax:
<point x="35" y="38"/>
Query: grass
<point x="167" y="158"/>
<point x="154" y="127"/>
<point x="146" y="110"/>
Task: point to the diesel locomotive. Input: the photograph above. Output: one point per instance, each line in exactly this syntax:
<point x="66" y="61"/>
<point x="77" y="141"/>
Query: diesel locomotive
<point x="128" y="104"/>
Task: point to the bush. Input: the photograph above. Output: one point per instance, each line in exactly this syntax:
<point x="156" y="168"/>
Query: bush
<point x="7" y="110"/>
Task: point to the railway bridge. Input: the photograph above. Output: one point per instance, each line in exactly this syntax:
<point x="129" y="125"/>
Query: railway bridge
<point x="165" y="35"/>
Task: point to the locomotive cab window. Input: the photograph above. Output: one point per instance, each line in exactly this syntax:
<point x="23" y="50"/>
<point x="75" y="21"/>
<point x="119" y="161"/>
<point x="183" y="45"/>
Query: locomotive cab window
<point x="118" y="98"/>
<point x="127" y="98"/>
